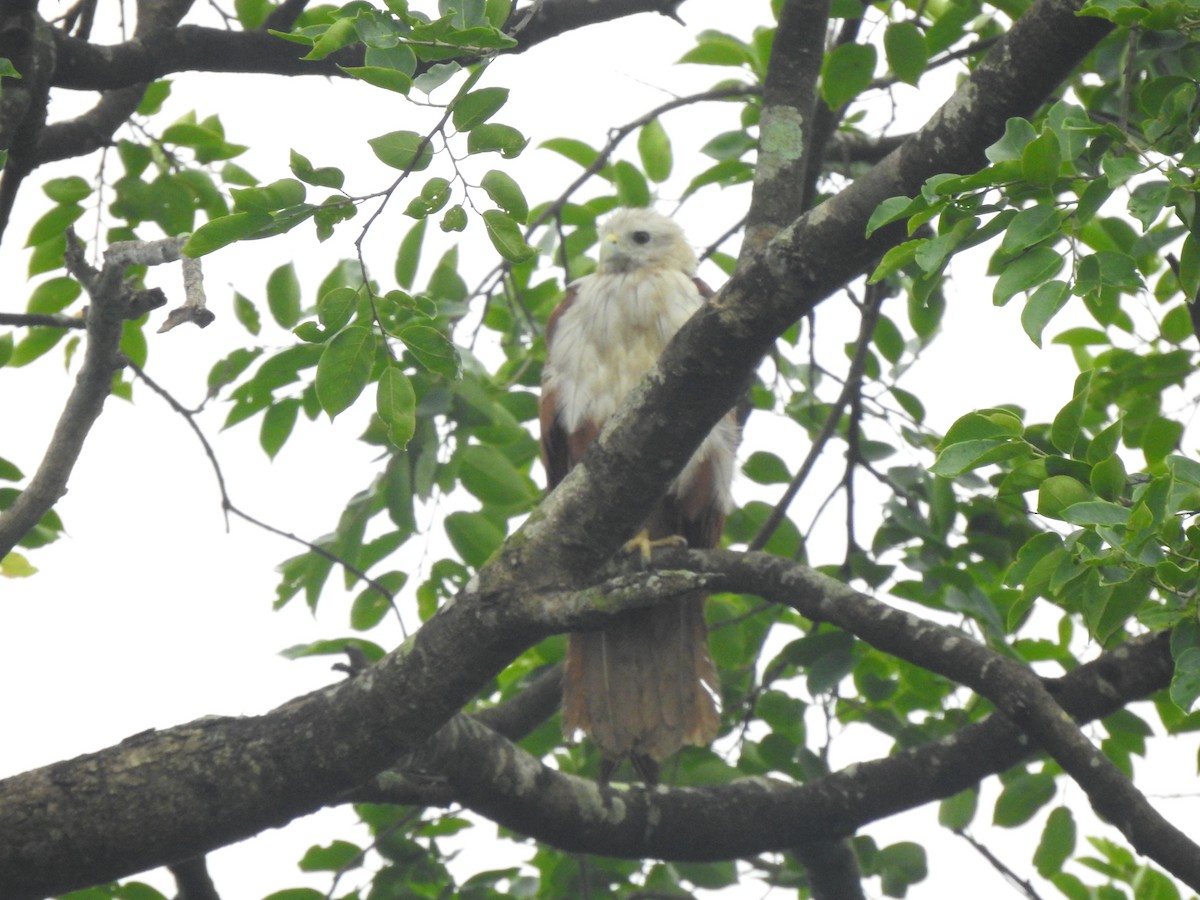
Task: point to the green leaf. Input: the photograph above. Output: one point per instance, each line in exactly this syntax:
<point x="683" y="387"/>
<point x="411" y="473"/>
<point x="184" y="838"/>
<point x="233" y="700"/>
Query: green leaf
<point x="246" y="313"/>
<point x="1030" y="226"/>
<point x="341" y="33"/>
<point x="474" y="536"/>
<point x="1017" y="133"/>
<point x="1042" y="306"/>
<point x="54" y="295"/>
<point x="1096" y="512"/>
<point x="846" y="72"/>
<point x="455" y="219"/>
<point x="493" y="137"/>
<point x="488" y="474"/>
<point x="345" y="368"/>
<point x="337" y="307"/>
<point x="506" y="194"/>
<point x="632" y="187"/>
<point x="1185" y="683"/>
<point x="217" y="233"/>
<point x="283" y="295"/>
<point x="396" y="403"/>
<point x="899" y="866"/>
<point x="1057" y="842"/>
<point x="577" y="151"/>
<point x="1041" y="159"/>
<point x="654" y="150"/>
<point x="71" y="189"/>
<point x="477" y="107"/>
<point x="337" y="857"/>
<point x="277" y="425"/>
<point x="957" y="812"/>
<point x="1059" y="493"/>
<point x="1032" y="268"/>
<point x="432" y="349"/>
<point x="766" y="468"/>
<point x="381" y="77"/>
<point x="1022" y="798"/>
<point x="404" y="150"/>
<point x="906" y="51"/>
<point x="324" y="177"/>
<point x="55" y="222"/>
<point x="409" y="255"/>
<point x="506" y="236"/>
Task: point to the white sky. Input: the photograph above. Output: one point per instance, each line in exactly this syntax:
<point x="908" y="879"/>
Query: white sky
<point x="148" y="614"/>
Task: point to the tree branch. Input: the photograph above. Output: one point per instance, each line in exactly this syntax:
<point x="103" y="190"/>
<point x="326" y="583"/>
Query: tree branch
<point x="105" y="319"/>
<point x="195" y="48"/>
<point x="755" y="815"/>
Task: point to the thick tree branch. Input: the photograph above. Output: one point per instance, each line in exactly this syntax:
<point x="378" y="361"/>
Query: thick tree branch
<point x="786" y="125"/>
<point x="756" y="815"/>
<point x="194" y="48"/>
<point x="105" y="319"/>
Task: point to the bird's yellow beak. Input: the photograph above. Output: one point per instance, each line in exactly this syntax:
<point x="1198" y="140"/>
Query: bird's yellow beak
<point x="608" y="244"/>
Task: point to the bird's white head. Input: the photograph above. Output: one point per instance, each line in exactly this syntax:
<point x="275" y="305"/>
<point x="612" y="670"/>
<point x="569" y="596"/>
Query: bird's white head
<point x="634" y="239"/>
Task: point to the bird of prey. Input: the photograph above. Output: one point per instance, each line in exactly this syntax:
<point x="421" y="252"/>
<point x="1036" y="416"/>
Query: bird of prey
<point x="646" y="684"/>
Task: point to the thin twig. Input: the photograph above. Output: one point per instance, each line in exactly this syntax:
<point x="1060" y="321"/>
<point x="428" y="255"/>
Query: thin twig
<point x="866" y="328"/>
<point x="228" y="507"/>
<point x="1021" y="884"/>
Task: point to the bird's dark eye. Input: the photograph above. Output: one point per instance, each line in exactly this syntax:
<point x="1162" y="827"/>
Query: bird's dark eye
<point x="641" y="237"/>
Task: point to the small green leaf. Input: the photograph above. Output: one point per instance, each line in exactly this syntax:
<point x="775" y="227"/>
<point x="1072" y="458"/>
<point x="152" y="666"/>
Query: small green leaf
<point x="381" y="77"/>
<point x="246" y="313"/>
<point x="217" y="233"/>
<point x="1041" y="158"/>
<point x="409" y="255"/>
<point x="632" y="187"/>
<point x="474" y="536"/>
<point x="1030" y="226"/>
<point x="1185" y="684"/>
<point x="455" y="219"/>
<point x="404" y="150"/>
<point x="493" y="137"/>
<point x="1026" y="271"/>
<point x="488" y="474"/>
<point x="396" y="403"/>
<point x="283" y="295"/>
<point x="277" y="425"/>
<point x="324" y="177"/>
<point x="477" y="107"/>
<point x="1022" y="798"/>
<point x="337" y="307"/>
<point x="339" y="856"/>
<point x="654" y="150"/>
<point x="1042" y="306"/>
<point x="906" y="51"/>
<point x="432" y="349"/>
<point x="506" y="194"/>
<point x="1057" y="842"/>
<point x="71" y="189"/>
<point x="766" y="468"/>
<point x="345" y="368"/>
<point x="957" y="812"/>
<point x="506" y="236"/>
<point x="1058" y="493"/>
<point x="846" y="72"/>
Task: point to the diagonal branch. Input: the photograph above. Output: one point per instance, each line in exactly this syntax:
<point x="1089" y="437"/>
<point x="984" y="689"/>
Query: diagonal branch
<point x="755" y="815"/>
<point x="101" y="361"/>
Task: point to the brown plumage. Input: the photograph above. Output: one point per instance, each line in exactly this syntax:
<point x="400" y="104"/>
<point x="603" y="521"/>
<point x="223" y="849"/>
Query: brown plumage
<point x="646" y="685"/>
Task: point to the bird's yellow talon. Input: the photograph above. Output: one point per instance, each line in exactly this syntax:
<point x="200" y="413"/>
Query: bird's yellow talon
<point x="645" y="545"/>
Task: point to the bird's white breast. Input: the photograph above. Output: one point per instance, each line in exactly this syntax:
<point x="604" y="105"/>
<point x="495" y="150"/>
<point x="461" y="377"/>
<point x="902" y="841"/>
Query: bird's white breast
<point x="610" y="336"/>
